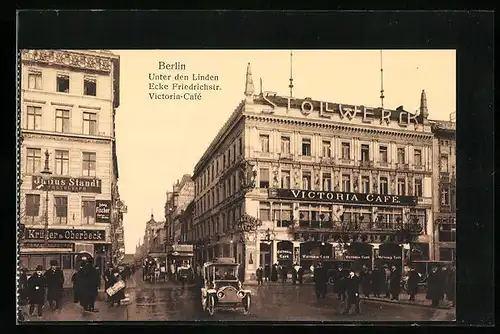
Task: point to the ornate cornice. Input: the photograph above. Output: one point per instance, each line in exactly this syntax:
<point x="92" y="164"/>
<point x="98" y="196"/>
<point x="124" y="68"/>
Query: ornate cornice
<point x="38" y="136"/>
<point x="349" y="130"/>
<point x="68" y="59"/>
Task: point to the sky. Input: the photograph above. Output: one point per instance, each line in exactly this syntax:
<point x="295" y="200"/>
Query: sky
<point x="158" y="141"/>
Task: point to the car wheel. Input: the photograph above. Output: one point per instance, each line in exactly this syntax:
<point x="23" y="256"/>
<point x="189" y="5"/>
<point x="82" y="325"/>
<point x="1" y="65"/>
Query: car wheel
<point x="331" y="281"/>
<point x="246" y="304"/>
<point x="211" y="305"/>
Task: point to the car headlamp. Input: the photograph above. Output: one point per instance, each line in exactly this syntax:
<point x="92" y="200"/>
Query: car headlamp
<point x="220" y="294"/>
<point x="241" y="294"/>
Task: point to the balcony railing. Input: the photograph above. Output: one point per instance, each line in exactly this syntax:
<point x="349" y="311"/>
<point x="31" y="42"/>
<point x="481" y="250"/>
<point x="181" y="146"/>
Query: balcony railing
<point x="359" y="227"/>
<point x="402" y="166"/>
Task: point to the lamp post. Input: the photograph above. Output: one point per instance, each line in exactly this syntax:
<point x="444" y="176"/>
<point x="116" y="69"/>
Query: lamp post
<point x="46" y="175"/>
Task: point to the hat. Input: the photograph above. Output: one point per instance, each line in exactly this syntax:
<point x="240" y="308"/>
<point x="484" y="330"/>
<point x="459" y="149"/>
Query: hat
<point x="54" y="263"/>
<point x="39" y="267"/>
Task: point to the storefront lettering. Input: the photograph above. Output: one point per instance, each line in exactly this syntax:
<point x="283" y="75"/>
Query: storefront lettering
<point x="64" y="234"/>
<point x="357" y="257"/>
<point x="393" y="257"/>
<point x="315" y="257"/>
<point x="72" y="184"/>
<point x="343" y="197"/>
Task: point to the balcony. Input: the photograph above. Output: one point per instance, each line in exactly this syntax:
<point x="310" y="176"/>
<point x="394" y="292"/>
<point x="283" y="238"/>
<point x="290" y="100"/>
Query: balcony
<point x="366" y="163"/>
<point x="419" y="167"/>
<point x="401" y="166"/>
<point x="370" y="227"/>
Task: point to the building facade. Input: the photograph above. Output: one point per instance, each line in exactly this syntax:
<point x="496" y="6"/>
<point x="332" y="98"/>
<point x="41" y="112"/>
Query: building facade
<point x="67" y="113"/>
<point x="175" y="208"/>
<point x="154" y="239"/>
<point x="445" y="205"/>
<point x="296" y="180"/>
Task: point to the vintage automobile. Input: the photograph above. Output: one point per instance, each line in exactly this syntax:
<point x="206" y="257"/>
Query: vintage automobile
<point x="221" y="287"/>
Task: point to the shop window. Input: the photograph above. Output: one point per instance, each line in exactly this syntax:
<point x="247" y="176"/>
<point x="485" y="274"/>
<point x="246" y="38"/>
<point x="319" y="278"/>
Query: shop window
<point x="36" y="260"/>
<point x="53" y="258"/>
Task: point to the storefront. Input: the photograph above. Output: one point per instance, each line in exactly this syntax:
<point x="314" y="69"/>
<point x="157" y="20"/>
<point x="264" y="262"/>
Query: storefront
<point x="361" y="254"/>
<point x="390" y="254"/>
<point x="179" y="255"/>
<point x="313" y="252"/>
<point x="285" y="253"/>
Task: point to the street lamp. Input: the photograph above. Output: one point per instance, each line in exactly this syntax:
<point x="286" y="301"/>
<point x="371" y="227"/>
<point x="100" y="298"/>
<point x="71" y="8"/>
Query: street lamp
<point x="46" y="175"/>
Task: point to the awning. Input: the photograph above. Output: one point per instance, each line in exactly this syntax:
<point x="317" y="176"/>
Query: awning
<point x="181" y="254"/>
<point x="45" y="250"/>
<point x="157" y="254"/>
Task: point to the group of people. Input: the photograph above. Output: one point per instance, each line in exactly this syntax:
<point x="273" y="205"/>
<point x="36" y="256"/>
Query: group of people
<point x="34" y="289"/>
<point x="278" y="272"/>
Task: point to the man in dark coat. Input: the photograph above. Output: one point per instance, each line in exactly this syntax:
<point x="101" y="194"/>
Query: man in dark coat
<point x="118" y="296"/>
<point x="88" y="281"/>
<point x="77" y="287"/>
<point x="267" y="272"/>
<point x="352" y="291"/>
<point x="108" y="279"/>
<point x="294" y="273"/>
<point x="434" y="287"/>
<point x="283" y="273"/>
<point x="320" y="281"/>
<point x="300" y="274"/>
<point x="338" y="283"/>
<point x="395" y="283"/>
<point x="36" y="291"/>
<point x="376" y="282"/>
<point x="259" y="273"/>
<point x="413" y="280"/>
<point x="450" y="288"/>
<point x="55" y="282"/>
<point x="274" y="273"/>
<point x="23" y="287"/>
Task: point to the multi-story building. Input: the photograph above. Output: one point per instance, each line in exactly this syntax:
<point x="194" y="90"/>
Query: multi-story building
<point x="444" y="191"/>
<point x="154" y="239"/>
<point x="295" y="180"/>
<point x="177" y="202"/>
<point x="68" y="164"/>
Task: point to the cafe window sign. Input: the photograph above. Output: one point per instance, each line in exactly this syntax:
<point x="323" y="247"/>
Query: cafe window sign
<point x="71" y="184"/>
<point x="65" y="235"/>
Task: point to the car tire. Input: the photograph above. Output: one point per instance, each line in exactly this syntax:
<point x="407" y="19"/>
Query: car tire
<point x="247" y="302"/>
<point x="211" y="305"/>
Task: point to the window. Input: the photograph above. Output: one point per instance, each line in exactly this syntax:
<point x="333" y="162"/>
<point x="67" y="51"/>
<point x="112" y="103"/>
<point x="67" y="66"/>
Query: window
<point x="62" y="162"/>
<point x="264" y="143"/>
<point x="445" y="196"/>
<point x="88" y="211"/>
<point x="264" y="178"/>
<point x="229" y="155"/>
<point x="346" y="151"/>
<point x="35" y="80"/>
<point x="327" y="149"/>
<point x="327" y="182"/>
<point x="418" y="188"/>
<point x="382" y="151"/>
<point x="66" y="262"/>
<point x="89" y="86"/>
<point x="365" y="184"/>
<point x="34" y="118"/>
<point x="285" y="145"/>
<point x="446" y="254"/>
<point x="384" y="186"/>
<point x="306" y="146"/>
<point x="90" y="123"/>
<point x="63" y="83"/>
<point x="401" y="187"/>
<point x="32" y="209"/>
<point x="346" y="183"/>
<point x="447" y="231"/>
<point x="62" y="120"/>
<point x="417" y="157"/>
<point x="365" y="152"/>
<point x="241" y="146"/>
<point x="33" y="160"/>
<point x="60" y="209"/>
<point x="285" y="179"/>
<point x="444" y="164"/>
<point x="264" y="211"/>
<point x="306" y="180"/>
<point x="401" y="155"/>
<point x="89" y="164"/>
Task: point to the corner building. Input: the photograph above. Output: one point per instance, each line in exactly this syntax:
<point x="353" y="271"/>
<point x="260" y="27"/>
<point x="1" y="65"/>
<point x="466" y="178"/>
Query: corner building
<point x="67" y="105"/>
<point x="318" y="176"/>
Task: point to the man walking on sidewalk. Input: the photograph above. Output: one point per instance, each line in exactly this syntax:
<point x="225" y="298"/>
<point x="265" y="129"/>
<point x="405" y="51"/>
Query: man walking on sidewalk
<point x="352" y="291"/>
<point x="413" y="279"/>
<point x="36" y="291"/>
<point x="55" y="282"/>
<point x="395" y="283"/>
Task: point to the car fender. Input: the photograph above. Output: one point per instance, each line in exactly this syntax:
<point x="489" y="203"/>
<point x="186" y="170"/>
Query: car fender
<point x="247" y="292"/>
<point x="209" y="291"/>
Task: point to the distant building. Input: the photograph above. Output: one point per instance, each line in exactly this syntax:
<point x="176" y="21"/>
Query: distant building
<point x="154" y="236"/>
<point x="444" y="192"/>
<point x="177" y="202"/>
<point x="68" y="101"/>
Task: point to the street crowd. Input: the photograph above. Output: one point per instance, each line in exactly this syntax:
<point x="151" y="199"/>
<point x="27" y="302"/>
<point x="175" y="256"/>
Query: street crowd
<point x="42" y="287"/>
<point x="381" y="282"/>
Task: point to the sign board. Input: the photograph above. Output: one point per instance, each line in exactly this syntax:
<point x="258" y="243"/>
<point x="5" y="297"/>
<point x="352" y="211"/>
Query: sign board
<point x="50" y="245"/>
<point x="285" y="254"/>
<point x="102" y="211"/>
<point x="341" y="197"/>
<point x="72" y="184"/>
<point x="111" y="291"/>
<point x="180" y="248"/>
<point x="65" y="234"/>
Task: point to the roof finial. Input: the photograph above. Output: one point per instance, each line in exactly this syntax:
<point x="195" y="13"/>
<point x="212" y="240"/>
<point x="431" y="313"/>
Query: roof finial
<point x="291" y="75"/>
<point x="381" y="80"/>
<point x="260" y="86"/>
<point x="423" y="105"/>
<point x="249" y="89"/>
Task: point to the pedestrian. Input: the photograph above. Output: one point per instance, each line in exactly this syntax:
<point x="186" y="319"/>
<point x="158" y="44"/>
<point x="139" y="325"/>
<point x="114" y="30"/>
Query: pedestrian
<point x="338" y="283"/>
<point x="274" y="273"/>
<point x="387" y="281"/>
<point x="36" y="291"/>
<point x="75" y="279"/>
<point x="283" y="273"/>
<point x="115" y="277"/>
<point x="434" y="287"/>
<point x="300" y="274"/>
<point x="450" y="289"/>
<point x="55" y="282"/>
<point x="23" y="287"/>
<point x="320" y="281"/>
<point x="367" y="282"/>
<point x="259" y="273"/>
<point x="352" y="292"/>
<point x="88" y="281"/>
<point x="376" y="282"/>
<point x="413" y="280"/>
<point x="295" y="270"/>
<point x="444" y="280"/>
<point x="108" y="279"/>
<point x="395" y="283"/>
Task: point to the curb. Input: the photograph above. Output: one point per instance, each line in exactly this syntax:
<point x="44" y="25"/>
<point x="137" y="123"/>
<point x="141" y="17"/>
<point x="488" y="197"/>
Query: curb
<point x="386" y="301"/>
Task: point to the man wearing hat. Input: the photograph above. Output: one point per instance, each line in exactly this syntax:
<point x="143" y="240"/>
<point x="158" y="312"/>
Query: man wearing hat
<point x="55" y="282"/>
<point x="36" y="291"/>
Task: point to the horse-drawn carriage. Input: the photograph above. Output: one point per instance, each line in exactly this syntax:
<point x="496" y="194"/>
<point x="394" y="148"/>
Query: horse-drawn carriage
<point x="149" y="269"/>
<point x="221" y="287"/>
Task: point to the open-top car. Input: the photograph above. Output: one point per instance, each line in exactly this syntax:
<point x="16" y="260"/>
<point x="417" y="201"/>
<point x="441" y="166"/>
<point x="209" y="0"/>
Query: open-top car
<point x="222" y="288"/>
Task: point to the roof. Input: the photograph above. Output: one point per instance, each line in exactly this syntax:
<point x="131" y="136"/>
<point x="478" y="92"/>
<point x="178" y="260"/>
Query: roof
<point x="221" y="260"/>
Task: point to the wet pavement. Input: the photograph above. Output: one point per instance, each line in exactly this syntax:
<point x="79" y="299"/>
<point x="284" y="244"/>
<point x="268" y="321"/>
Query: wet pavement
<point x="168" y="301"/>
